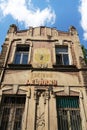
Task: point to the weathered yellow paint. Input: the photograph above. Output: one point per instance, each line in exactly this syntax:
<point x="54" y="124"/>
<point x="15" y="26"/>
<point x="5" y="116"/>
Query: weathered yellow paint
<point x="42" y="56"/>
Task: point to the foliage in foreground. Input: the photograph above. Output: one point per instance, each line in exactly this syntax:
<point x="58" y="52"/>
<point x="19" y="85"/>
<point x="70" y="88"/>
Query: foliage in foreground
<point x="84" y="53"/>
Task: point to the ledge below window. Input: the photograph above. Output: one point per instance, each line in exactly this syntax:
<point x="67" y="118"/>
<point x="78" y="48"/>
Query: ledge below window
<point x="62" y="68"/>
<point x="65" y="67"/>
<point x="19" y="66"/>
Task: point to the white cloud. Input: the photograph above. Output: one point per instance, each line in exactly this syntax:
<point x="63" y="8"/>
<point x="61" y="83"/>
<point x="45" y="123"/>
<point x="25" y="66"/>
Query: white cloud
<point x="24" y="11"/>
<point x="83" y="11"/>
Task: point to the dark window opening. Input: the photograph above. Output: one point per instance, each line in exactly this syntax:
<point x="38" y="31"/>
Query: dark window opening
<point x="11" y="112"/>
<point x="68" y="113"/>
<point x="62" y="57"/>
<point x="21" y="55"/>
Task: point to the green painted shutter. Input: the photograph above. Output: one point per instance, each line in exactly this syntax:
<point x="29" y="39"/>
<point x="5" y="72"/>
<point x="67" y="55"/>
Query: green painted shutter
<point x="67" y="102"/>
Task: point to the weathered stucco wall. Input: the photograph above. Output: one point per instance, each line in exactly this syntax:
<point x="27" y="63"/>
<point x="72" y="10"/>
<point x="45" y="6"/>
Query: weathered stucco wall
<point x="41" y="80"/>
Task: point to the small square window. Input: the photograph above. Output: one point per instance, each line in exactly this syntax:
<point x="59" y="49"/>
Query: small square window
<point x="21" y="54"/>
<point x="62" y="56"/>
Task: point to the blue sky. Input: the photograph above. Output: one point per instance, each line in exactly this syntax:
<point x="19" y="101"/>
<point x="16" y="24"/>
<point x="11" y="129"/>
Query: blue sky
<point x="51" y="13"/>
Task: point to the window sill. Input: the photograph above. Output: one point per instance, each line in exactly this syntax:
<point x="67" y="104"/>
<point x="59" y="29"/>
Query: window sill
<point x="62" y="68"/>
<point x="19" y="66"/>
<point x="65" y="67"/>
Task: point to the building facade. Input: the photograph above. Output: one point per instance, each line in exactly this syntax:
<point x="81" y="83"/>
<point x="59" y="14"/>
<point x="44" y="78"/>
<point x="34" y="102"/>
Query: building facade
<point x="43" y="80"/>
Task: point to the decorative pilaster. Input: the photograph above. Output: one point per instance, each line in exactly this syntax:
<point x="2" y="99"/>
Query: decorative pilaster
<point x="47" y="96"/>
<point x="52" y="112"/>
<point x="12" y="54"/>
<point x="25" y="118"/>
<point x="85" y="101"/>
<point x="83" y="115"/>
<point x="31" y="111"/>
<point x="40" y="112"/>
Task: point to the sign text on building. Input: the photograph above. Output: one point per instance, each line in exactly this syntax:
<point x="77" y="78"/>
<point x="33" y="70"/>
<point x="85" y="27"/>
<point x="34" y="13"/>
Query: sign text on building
<point x="42" y="82"/>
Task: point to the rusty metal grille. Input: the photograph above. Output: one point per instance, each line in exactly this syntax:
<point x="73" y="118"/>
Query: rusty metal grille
<point x="75" y="120"/>
<point x="68" y="113"/>
<point x="11" y="112"/>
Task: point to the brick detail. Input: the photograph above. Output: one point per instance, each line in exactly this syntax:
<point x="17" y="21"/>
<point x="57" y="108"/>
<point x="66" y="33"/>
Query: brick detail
<point x="2" y="56"/>
<point x="73" y="55"/>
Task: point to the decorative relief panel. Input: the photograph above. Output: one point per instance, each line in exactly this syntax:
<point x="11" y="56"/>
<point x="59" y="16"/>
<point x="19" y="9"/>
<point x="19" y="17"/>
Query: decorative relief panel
<point x="42" y="57"/>
<point x="40" y="113"/>
<point x="40" y="121"/>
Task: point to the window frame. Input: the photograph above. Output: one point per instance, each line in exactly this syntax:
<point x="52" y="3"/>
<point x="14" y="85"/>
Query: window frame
<point x="62" y="54"/>
<point x="15" y="43"/>
<point x="22" y="53"/>
<point x="11" y="120"/>
<point x="65" y="114"/>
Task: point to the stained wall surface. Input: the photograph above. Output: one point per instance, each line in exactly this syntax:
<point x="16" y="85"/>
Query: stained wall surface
<point x="42" y="79"/>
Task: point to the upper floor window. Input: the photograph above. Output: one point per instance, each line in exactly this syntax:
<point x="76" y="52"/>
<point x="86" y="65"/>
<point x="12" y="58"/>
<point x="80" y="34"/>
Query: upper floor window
<point x="21" y="54"/>
<point x="62" y="56"/>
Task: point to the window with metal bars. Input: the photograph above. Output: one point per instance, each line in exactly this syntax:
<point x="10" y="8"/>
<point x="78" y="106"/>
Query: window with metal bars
<point x="21" y="54"/>
<point x="11" y="112"/>
<point x="62" y="56"/>
<point x="68" y="113"/>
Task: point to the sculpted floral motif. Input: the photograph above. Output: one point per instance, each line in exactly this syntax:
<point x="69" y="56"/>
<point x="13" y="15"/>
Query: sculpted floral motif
<point x="40" y="120"/>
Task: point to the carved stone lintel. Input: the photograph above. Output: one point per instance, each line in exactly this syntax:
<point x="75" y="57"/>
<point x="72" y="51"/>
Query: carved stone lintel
<point x="66" y="90"/>
<point x="15" y="88"/>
